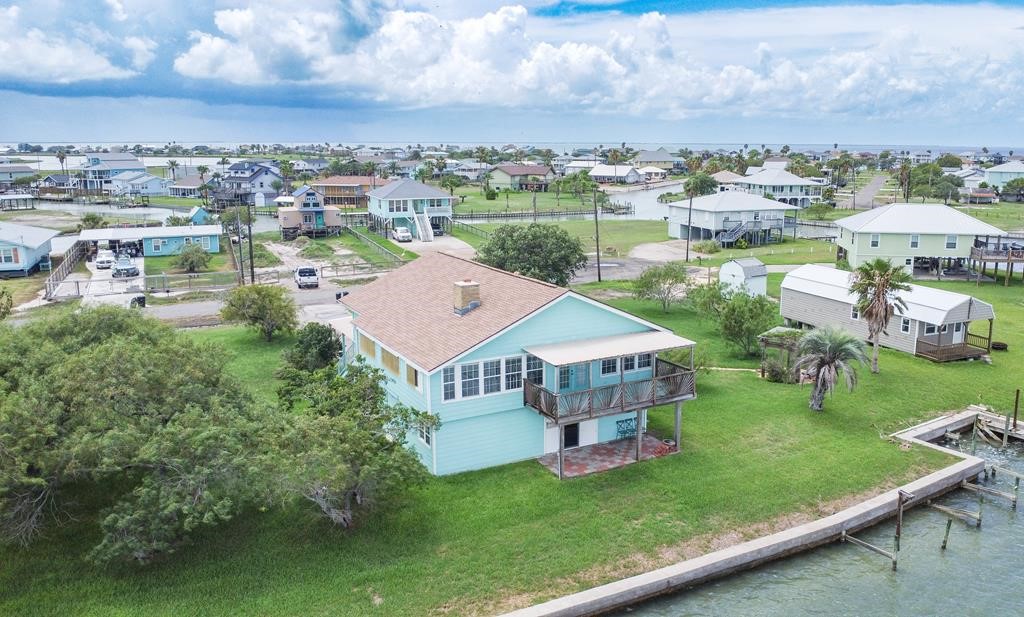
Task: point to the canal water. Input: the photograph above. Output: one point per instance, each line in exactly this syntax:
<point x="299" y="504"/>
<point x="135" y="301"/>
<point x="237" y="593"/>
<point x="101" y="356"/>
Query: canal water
<point x="981" y="572"/>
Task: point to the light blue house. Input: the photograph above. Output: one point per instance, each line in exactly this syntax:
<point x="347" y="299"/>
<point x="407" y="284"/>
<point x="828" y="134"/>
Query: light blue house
<point x="198" y="216"/>
<point x="155" y="241"/>
<point x="515" y="368"/>
<point x="411" y="204"/>
<point x="101" y="167"/>
<point x="24" y="249"/>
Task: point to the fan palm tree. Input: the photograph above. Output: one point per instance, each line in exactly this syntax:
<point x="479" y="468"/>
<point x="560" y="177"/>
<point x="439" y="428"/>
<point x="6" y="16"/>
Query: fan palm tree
<point x="826" y="353"/>
<point x="223" y="162"/>
<point x="173" y="166"/>
<point x="877" y="284"/>
<point x="204" y="187"/>
<point x="696" y="185"/>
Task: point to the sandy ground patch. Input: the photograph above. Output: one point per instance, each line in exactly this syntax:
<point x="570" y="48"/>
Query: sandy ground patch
<point x="669" y="250"/>
<point x="447" y="244"/>
<point x="290" y="258"/>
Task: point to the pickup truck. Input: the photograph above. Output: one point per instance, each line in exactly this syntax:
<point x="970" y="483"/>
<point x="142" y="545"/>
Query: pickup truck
<point x="306" y="276"/>
<point x="104" y="260"/>
<point x="124" y="268"/>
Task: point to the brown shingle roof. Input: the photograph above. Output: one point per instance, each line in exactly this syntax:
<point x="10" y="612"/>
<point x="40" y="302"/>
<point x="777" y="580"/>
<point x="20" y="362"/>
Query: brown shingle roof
<point x="412" y="312"/>
<point x="348" y="181"/>
<point x="525" y="170"/>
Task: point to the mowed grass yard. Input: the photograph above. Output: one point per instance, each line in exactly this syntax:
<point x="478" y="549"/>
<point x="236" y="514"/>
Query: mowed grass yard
<point x="621" y="235"/>
<point x="473" y="200"/>
<point x="482" y="542"/>
<point x="165" y="264"/>
<point x="24" y="289"/>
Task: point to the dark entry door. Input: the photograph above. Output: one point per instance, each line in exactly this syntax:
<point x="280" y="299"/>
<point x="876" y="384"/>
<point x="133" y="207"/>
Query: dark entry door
<point x="572" y="435"/>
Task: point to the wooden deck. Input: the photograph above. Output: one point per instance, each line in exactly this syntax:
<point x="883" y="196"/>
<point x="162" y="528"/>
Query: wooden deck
<point x="972" y="349"/>
<point x="671" y="383"/>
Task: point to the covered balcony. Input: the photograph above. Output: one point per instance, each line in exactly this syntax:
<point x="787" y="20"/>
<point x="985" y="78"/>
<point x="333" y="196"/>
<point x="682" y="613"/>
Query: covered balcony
<point x="641" y="381"/>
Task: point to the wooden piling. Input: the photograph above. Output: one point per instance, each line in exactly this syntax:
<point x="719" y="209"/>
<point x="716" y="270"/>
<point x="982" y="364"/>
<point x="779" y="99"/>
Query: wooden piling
<point x="945" y="538"/>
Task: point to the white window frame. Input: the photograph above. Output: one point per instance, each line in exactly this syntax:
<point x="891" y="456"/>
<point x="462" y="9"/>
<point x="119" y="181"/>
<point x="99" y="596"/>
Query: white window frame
<point x="158" y="245"/>
<point x="915" y="241"/>
<point x="876" y="240"/>
<point x="905" y="325"/>
<point x="644" y="360"/>
<point x="452" y="376"/>
<point x="958" y="327"/>
<point x="930" y="328"/>
<point x="465" y="382"/>
<point x="854" y="313"/>
<point x="628" y="364"/>
<point x="909" y="261"/>
<point x="527" y="370"/>
<point x="609" y="363"/>
<point x="425" y="435"/>
<point x="955" y="238"/>
<point x="7" y="256"/>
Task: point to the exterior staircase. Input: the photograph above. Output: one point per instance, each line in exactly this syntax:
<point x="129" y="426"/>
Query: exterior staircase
<point x="423" y="229"/>
<point x="732" y="234"/>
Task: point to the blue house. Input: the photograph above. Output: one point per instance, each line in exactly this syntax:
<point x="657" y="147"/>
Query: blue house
<point x="24" y="249"/>
<point x="515" y="368"/>
<point x="156" y="241"/>
<point x="411" y="204"/>
<point x="198" y="216"/>
<point x="101" y="167"/>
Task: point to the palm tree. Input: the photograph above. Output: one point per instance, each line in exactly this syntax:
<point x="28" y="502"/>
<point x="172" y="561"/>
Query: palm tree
<point x="825" y="353"/>
<point x="173" y="166"/>
<point x="696" y="185"/>
<point x="904" y="178"/>
<point x="223" y="162"/>
<point x="877" y="284"/>
<point x="61" y="157"/>
<point x="203" y="186"/>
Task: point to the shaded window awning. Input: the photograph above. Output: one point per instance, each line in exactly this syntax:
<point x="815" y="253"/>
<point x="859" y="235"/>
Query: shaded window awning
<point x="573" y="352"/>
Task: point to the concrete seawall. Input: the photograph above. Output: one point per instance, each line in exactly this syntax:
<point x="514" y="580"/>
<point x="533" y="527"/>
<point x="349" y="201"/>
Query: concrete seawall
<point x="691" y="572"/>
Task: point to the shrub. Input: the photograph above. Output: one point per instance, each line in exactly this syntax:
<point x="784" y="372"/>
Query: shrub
<point x="777" y="372"/>
<point x="491" y="195"/>
<point x="707" y="247"/>
<point x="193" y="258"/>
<point x="742" y="244"/>
<point x="316" y="346"/>
<point x="301" y="241"/>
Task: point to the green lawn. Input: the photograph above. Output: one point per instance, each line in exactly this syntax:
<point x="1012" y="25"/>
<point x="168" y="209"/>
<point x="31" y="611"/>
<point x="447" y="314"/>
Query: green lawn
<point x="250" y="358"/>
<point x="181" y="203"/>
<point x="220" y="262"/>
<point x="481" y="542"/>
<point x="24" y="289"/>
<point x="621" y="235"/>
<point x="1007" y="216"/>
<point x="474" y="201"/>
<point x="791" y="251"/>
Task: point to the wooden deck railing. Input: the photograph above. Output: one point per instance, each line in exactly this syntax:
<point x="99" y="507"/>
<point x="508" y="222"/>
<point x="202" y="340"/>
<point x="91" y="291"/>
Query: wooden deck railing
<point x="990" y="254"/>
<point x="669" y="384"/>
<point x="952" y="351"/>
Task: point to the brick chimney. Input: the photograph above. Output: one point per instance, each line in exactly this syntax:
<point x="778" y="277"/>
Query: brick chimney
<point x="467" y="296"/>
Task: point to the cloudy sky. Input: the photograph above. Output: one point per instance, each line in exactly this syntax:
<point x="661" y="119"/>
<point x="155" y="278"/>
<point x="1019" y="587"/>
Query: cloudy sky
<point x="756" y="71"/>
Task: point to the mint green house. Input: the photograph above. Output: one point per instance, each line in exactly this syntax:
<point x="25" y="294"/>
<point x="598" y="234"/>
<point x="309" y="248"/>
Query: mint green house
<point x="923" y="238"/>
<point x="515" y="368"/>
<point x="407" y="203"/>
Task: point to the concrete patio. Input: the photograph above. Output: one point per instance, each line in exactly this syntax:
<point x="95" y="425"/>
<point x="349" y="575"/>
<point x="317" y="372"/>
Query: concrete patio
<point x="599" y="457"/>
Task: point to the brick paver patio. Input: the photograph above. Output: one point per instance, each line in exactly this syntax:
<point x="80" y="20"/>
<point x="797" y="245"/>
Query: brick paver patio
<point x="604" y="456"/>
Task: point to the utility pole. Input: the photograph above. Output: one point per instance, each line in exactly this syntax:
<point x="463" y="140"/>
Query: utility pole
<point x="238" y="234"/>
<point x="597" y="237"/>
<point x="689" y="228"/>
<point x="252" y="263"/>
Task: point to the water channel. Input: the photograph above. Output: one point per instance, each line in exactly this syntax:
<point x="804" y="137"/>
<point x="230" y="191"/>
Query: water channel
<point x="979" y="574"/>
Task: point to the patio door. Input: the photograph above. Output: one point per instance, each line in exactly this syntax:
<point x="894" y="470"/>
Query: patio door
<point x="574" y="377"/>
<point x="572" y="435"/>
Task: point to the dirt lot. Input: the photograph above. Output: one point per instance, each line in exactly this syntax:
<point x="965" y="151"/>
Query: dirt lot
<point x="290" y="258"/>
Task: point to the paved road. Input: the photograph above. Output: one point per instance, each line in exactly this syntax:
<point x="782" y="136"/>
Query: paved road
<point x="866" y="195"/>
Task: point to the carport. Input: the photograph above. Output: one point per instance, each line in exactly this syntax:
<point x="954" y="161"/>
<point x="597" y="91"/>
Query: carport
<point x="117" y="239"/>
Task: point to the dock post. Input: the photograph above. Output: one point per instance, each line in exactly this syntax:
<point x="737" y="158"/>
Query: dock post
<point x="945" y="538"/>
<point x="679" y="418"/>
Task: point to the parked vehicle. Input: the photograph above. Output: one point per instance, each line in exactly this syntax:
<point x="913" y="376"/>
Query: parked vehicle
<point x="125" y="268"/>
<point x="401" y="234"/>
<point x="437" y="229"/>
<point x="125" y="300"/>
<point x="104" y="260"/>
<point x="306" y="277"/>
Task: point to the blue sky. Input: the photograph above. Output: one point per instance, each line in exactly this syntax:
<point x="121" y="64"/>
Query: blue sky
<point x="754" y="71"/>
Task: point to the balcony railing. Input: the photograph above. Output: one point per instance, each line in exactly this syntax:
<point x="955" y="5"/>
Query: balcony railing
<point x="975" y="347"/>
<point x="991" y="254"/>
<point x="670" y="383"/>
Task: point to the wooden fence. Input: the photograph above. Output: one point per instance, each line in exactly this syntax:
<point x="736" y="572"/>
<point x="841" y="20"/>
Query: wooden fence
<point x="72" y="256"/>
<point x="473" y="229"/>
<point x="378" y="248"/>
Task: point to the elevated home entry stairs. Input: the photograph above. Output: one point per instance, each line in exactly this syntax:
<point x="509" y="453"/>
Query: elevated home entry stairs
<point x="423" y="229"/>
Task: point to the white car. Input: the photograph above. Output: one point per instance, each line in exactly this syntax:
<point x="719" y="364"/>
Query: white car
<point x="105" y="260"/>
<point x="401" y="234"/>
<point x="306" y="276"/>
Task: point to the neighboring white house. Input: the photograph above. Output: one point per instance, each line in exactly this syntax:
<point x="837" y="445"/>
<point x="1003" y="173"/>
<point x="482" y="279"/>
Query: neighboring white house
<point x="998" y="176"/>
<point x="936" y="323"/>
<point x="783" y="186"/>
<point x="972" y="177"/>
<point x="138" y="183"/>
<point x="615" y="174"/>
<point x="776" y="162"/>
<point x="652" y="174"/>
<point x="726" y="179"/>
<point x="186" y="186"/>
<point x="659" y="158"/>
<point x="579" y="165"/>
<point x="728" y="216"/>
<point x="747" y="274"/>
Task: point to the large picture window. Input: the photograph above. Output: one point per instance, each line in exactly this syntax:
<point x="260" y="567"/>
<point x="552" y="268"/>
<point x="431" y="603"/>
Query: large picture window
<point x="492" y="376"/>
<point x="469" y="377"/>
<point x="535" y="370"/>
<point x="513" y="373"/>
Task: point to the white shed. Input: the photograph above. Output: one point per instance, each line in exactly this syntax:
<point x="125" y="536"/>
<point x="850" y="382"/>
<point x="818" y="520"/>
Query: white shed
<point x="747" y="272"/>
